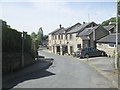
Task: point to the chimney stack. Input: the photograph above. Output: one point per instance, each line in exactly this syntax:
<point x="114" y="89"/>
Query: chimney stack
<point x="83" y="22"/>
<point x="60" y="26"/>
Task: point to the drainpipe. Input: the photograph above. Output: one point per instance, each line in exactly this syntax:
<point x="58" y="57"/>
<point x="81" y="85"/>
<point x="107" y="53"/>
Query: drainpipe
<point x="94" y="37"/>
<point x="23" y="38"/>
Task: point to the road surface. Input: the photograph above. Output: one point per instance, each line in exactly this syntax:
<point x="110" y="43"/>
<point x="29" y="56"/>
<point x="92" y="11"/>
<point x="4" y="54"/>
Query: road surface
<point x="66" y="72"/>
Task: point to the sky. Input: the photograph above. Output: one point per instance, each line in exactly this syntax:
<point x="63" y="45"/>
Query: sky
<point x="30" y="15"/>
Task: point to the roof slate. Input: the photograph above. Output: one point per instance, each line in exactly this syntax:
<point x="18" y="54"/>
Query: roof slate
<point x="77" y="28"/>
<point x="109" y="27"/>
<point x="110" y="39"/>
<point x="61" y="31"/>
<point x="73" y="28"/>
<point x="88" y="31"/>
<point x="56" y="30"/>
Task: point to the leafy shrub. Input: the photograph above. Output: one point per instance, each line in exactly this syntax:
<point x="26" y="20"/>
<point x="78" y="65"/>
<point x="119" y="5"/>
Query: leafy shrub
<point x="12" y="40"/>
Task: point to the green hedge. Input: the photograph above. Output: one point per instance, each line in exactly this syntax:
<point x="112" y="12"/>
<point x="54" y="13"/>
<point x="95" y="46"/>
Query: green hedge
<point x="27" y="43"/>
<point x="12" y="40"/>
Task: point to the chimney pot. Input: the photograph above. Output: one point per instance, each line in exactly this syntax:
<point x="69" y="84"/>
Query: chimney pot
<point x="83" y="22"/>
<point x="60" y="25"/>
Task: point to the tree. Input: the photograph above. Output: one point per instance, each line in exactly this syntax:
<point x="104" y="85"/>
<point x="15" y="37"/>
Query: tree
<point x="45" y="37"/>
<point x="33" y="35"/>
<point x="113" y="19"/>
<point x="40" y="36"/>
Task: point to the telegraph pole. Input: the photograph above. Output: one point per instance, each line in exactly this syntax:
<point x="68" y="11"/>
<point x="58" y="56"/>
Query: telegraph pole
<point x="23" y="38"/>
<point x="116" y="50"/>
<point x="22" y="63"/>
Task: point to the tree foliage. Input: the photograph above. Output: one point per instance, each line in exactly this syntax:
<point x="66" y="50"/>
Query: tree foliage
<point x="37" y="39"/>
<point x="33" y="35"/>
<point x="113" y="19"/>
<point x="11" y="40"/>
<point x="45" y="37"/>
<point x="40" y="36"/>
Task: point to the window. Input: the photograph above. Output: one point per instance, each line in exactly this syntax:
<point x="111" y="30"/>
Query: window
<point x="55" y="37"/>
<point x="61" y="36"/>
<point x="70" y="36"/>
<point x="112" y="45"/>
<point x="66" y="36"/>
<point x="93" y="49"/>
<point x="78" y="45"/>
<point x="58" y="36"/>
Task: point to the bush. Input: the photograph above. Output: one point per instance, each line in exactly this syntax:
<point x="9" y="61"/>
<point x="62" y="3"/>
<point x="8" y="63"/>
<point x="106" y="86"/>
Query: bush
<point x="114" y="54"/>
<point x="12" y="40"/>
<point x="27" y="43"/>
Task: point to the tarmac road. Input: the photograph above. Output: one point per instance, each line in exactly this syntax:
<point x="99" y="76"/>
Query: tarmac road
<point x="66" y="72"/>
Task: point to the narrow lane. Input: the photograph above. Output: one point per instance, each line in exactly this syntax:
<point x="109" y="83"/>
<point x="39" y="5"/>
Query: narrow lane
<point x="68" y="72"/>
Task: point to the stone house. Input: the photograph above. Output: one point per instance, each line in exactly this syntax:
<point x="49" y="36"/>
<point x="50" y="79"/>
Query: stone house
<point x="64" y="40"/>
<point x="57" y="41"/>
<point x="110" y="28"/>
<point x="107" y="44"/>
<point x="74" y="42"/>
<point x="90" y="35"/>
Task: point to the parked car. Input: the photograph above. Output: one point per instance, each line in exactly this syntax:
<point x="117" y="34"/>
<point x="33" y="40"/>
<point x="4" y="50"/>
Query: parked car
<point x="77" y="53"/>
<point x="91" y="52"/>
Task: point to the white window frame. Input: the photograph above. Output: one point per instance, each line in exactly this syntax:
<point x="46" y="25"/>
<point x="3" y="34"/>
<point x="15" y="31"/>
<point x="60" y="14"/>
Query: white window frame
<point x="111" y="46"/>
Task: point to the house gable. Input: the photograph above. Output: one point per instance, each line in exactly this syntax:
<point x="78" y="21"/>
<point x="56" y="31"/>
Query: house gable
<point x="84" y="26"/>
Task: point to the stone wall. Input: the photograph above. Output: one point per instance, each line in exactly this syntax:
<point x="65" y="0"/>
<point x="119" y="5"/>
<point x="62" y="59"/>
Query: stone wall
<point x="109" y="50"/>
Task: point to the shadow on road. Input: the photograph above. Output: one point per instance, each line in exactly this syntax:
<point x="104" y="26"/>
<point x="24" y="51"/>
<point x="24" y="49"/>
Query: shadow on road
<point x="34" y="75"/>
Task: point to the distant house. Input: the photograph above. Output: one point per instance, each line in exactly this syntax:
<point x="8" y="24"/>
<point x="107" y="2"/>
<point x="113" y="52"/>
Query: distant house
<point x="110" y="28"/>
<point x="74" y="42"/>
<point x="64" y="40"/>
<point x="91" y="34"/>
<point x="57" y="41"/>
<point x="108" y="44"/>
<point x="45" y="42"/>
<point x="70" y="39"/>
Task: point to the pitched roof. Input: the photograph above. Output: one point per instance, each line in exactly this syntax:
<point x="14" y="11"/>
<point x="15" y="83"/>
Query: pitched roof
<point x="73" y="28"/>
<point x="56" y="30"/>
<point x="61" y="31"/>
<point x="79" y="28"/>
<point x="110" y="39"/>
<point x="87" y="31"/>
<point x="109" y="27"/>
